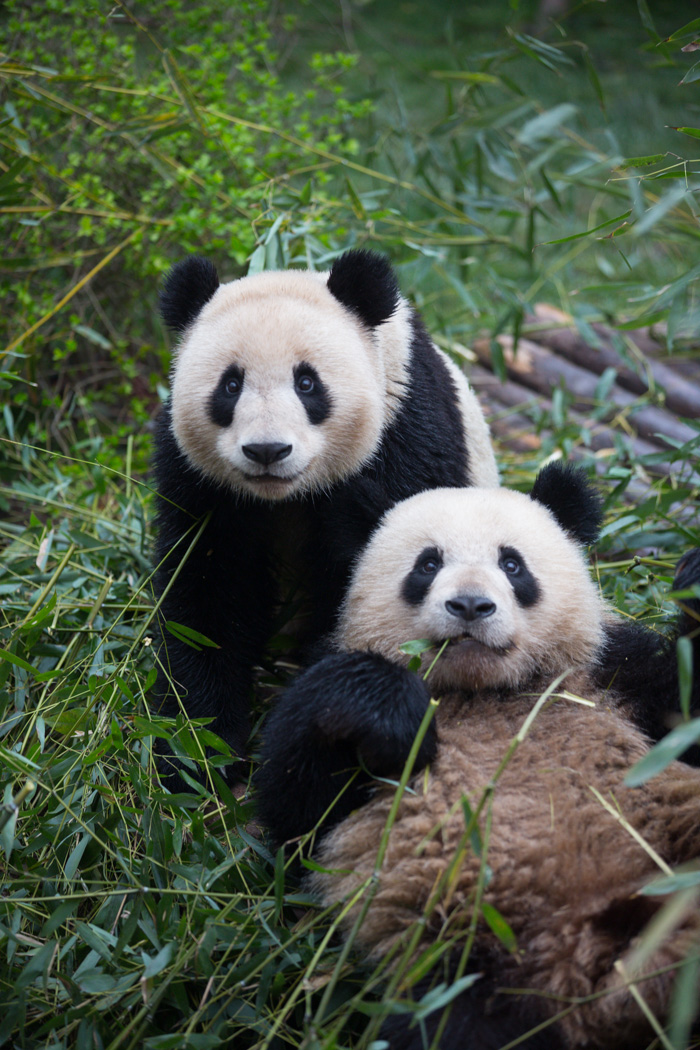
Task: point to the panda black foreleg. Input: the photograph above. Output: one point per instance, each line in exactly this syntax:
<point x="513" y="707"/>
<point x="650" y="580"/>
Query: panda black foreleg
<point x="347" y="719"/>
<point x="479" y="1018"/>
<point x="641" y="666"/>
<point x="212" y="577"/>
<point x="230" y="608"/>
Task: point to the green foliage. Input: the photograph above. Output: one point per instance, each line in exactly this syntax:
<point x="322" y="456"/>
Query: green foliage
<point x="130" y="142"/>
<point x="130" y="136"/>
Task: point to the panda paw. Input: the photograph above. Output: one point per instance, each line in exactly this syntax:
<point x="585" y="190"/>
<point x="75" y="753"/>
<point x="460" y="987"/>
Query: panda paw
<point x="348" y="710"/>
<point x="356" y="704"/>
<point x="379" y="709"/>
<point x="687" y="576"/>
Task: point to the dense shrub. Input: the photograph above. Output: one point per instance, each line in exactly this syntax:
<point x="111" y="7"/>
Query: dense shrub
<point x="132" y="140"/>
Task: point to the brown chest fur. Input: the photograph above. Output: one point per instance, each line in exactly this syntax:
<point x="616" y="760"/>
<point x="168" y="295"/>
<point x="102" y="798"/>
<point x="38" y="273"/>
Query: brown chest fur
<point x="565" y="871"/>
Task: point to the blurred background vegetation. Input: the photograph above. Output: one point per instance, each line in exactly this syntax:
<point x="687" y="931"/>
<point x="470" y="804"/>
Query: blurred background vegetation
<point x="501" y="158"/>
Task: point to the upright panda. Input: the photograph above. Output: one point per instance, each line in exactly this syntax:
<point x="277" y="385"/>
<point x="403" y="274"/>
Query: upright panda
<point x="500" y="580"/>
<point x="303" y="405"/>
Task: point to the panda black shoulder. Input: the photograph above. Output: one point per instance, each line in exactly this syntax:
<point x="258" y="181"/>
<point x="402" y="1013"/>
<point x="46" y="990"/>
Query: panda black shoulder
<point x="427" y="435"/>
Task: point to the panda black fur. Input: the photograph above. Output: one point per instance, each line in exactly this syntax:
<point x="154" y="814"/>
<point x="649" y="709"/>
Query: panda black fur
<point x="303" y="406"/>
<point x="503" y="578"/>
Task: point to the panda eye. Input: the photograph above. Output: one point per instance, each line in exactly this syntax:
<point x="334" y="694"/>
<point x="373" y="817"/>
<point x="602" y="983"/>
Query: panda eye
<point x="510" y="565"/>
<point x="305" y="384"/>
<point x="233" y="386"/>
<point x="428" y="563"/>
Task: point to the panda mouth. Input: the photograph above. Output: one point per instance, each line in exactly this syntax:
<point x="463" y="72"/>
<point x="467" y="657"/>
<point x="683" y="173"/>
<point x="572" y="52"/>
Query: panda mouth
<point x="467" y="641"/>
<point x="268" y="479"/>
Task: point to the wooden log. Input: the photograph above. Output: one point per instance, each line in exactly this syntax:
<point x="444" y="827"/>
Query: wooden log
<point x="652" y="342"/>
<point x="511" y="431"/>
<point x="504" y="397"/>
<point x="681" y="394"/>
<point x="539" y="369"/>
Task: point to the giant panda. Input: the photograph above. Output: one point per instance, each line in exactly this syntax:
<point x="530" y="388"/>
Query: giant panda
<point x="302" y="406"/>
<point x="498" y="580"/>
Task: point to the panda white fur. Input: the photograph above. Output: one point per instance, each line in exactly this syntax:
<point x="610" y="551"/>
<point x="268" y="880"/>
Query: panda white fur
<point x="502" y="579"/>
<point x="303" y="405"/>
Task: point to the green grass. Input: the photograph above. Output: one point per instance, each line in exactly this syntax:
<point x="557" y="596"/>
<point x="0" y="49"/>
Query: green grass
<point x="127" y="918"/>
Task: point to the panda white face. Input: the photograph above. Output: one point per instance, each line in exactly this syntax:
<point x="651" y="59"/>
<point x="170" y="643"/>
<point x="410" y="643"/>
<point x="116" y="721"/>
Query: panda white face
<point x="278" y="389"/>
<point x="489" y="571"/>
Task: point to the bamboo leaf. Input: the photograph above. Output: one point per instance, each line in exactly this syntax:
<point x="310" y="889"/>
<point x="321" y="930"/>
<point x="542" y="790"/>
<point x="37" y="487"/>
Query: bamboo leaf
<point x="499" y="926"/>
<point x="586" y="233"/>
<point x="691" y="29"/>
<point x="666" y="751"/>
<point x="545" y="124"/>
<point x="694" y="133"/>
<point x="461" y="74"/>
<point x="37" y="966"/>
<point x="155" y="964"/>
<point x="8" y="821"/>
<point x="190" y="636"/>
<point x="672" y="884"/>
<point x="76" y="856"/>
<point x="684" y="653"/>
<point x="416" y="648"/>
<point x="642" y="162"/>
<point x="646" y="19"/>
<point x="650" y="218"/>
<point x="594" y="78"/>
<point x="441" y="996"/>
<point x="17" y="661"/>
<point x="692" y="75"/>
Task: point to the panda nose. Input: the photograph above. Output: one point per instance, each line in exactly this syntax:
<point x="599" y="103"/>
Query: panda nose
<point x="470" y="607"/>
<point x="272" y="452"/>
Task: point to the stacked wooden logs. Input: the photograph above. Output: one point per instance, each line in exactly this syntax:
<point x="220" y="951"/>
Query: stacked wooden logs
<point x="643" y="402"/>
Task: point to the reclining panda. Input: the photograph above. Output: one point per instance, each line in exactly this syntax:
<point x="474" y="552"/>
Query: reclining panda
<point x="303" y="406"/>
<point x="499" y="580"/>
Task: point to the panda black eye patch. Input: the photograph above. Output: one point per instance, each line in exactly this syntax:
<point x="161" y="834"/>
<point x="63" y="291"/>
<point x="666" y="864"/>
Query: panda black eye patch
<point x="223" y="399"/>
<point x="525" y="587"/>
<point x="425" y="568"/>
<point x="312" y="393"/>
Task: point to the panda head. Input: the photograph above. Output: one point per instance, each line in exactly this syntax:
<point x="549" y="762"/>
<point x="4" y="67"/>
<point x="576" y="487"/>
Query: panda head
<point x="498" y="575"/>
<point x="282" y="383"/>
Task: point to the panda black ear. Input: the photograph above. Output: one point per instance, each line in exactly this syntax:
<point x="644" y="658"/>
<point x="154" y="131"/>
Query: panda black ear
<point x="188" y="286"/>
<point x="574" y="502"/>
<point x="365" y="283"/>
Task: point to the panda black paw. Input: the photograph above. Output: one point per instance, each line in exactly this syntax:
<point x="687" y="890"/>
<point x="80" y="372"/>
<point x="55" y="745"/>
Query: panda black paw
<point x="349" y="710"/>
<point x="378" y="707"/>
<point x="687" y="576"/>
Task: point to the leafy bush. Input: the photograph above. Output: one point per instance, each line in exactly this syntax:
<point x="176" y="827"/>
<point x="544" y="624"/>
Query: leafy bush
<point x="133" y="141"/>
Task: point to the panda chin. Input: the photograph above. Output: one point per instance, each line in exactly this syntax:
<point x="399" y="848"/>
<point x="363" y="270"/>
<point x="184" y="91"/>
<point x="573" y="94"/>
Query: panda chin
<point x="468" y="663"/>
<point x="466" y="643"/>
<point x="271" y="486"/>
